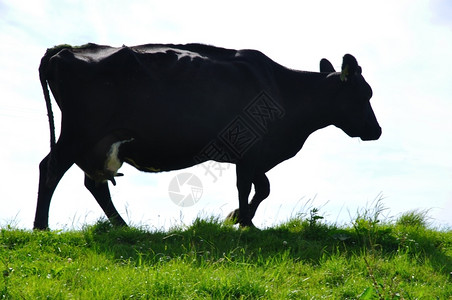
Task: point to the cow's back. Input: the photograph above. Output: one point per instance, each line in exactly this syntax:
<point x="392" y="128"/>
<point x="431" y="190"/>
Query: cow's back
<point x="163" y="95"/>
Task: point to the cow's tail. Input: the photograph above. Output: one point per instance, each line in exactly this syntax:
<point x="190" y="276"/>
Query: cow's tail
<point x="43" y="77"/>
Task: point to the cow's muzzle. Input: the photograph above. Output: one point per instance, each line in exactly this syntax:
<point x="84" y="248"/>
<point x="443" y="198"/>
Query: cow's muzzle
<point x="371" y="135"/>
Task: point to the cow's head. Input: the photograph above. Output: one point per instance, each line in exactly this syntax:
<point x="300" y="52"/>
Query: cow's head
<point x="350" y="93"/>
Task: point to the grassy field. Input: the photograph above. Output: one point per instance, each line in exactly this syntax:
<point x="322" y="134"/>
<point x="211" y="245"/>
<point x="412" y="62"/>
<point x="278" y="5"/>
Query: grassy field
<point x="303" y="258"/>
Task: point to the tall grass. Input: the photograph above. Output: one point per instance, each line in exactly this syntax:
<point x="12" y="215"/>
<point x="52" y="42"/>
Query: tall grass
<point x="303" y="258"/>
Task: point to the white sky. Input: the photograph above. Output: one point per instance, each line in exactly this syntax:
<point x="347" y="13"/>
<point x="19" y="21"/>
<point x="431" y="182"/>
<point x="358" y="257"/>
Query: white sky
<point x="404" y="48"/>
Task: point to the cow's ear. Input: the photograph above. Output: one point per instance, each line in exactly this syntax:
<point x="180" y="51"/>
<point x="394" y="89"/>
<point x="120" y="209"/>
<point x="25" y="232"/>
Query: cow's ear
<point x="349" y="68"/>
<point x="326" y="66"/>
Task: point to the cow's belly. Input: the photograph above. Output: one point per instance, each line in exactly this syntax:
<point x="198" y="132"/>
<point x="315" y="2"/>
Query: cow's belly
<point x="153" y="156"/>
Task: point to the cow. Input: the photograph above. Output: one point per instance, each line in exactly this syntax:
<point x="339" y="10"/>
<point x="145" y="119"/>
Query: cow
<point x="164" y="107"/>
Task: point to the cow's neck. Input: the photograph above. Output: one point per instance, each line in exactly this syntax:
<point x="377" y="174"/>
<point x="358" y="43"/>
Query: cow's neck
<point x="305" y="108"/>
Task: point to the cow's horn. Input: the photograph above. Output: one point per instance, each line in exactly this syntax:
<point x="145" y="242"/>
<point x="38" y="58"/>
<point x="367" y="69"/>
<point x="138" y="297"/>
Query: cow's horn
<point x="344" y="73"/>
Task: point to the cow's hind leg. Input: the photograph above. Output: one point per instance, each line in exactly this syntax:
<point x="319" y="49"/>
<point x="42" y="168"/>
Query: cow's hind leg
<point x="51" y="170"/>
<point x="262" y="190"/>
<point x="101" y="192"/>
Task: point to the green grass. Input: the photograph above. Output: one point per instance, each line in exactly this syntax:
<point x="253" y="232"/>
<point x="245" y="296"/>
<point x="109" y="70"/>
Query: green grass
<point x="303" y="258"/>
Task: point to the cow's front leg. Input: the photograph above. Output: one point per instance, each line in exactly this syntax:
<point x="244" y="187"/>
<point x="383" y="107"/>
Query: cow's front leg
<point x="243" y="215"/>
<point x="262" y="190"/>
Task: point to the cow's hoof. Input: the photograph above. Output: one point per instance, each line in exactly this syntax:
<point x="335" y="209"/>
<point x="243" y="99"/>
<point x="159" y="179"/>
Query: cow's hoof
<point x="233" y="217"/>
<point x="117" y="221"/>
<point x="247" y="225"/>
<point x="40" y="226"/>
